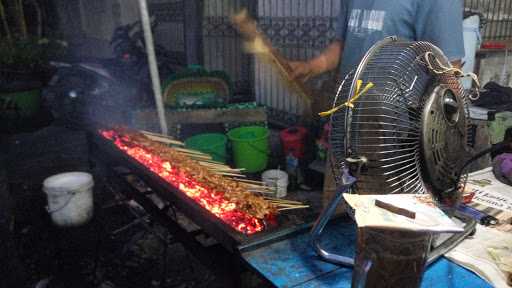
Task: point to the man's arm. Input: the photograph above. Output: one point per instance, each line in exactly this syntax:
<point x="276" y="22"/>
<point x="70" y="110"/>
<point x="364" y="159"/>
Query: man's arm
<point x="328" y="60"/>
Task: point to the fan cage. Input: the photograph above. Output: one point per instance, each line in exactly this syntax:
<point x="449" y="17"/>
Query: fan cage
<point x="385" y="123"/>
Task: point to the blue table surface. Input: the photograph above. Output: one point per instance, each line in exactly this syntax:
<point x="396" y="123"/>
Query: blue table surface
<point x="293" y="263"/>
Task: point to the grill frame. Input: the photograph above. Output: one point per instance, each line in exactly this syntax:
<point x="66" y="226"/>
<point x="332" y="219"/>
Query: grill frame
<point x="231" y="239"/>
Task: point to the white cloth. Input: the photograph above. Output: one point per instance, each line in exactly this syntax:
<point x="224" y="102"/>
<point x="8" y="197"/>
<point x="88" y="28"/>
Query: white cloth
<point x="495" y="198"/>
<point x="473" y="254"/>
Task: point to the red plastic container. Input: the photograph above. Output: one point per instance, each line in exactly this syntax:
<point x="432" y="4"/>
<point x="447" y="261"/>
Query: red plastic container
<point x="293" y="140"/>
<point x="493" y="45"/>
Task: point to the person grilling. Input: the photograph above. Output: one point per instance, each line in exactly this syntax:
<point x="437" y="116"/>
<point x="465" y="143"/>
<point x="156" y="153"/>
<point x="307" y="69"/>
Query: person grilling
<point x="362" y="23"/>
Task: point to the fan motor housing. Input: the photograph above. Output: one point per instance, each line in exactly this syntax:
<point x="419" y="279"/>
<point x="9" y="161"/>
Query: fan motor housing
<point x="443" y="135"/>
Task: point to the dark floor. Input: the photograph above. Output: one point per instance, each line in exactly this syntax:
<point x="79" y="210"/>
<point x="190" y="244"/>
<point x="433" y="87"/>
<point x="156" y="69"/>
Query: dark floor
<point x="104" y="253"/>
<point x="110" y="251"/>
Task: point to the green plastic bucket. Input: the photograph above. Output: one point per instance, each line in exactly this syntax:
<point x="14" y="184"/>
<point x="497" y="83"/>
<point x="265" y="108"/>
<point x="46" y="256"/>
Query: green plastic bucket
<point x="15" y="105"/>
<point x="213" y="144"/>
<point x="250" y="147"/>
<point x="498" y="127"/>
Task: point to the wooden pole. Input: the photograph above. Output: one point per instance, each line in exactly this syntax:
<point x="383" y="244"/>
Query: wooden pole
<point x="153" y="66"/>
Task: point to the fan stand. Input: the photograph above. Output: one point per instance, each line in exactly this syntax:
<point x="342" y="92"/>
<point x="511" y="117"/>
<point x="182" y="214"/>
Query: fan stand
<point x="325" y="215"/>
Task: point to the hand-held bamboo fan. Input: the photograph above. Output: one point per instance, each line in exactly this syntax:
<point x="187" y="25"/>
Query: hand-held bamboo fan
<point x="258" y="44"/>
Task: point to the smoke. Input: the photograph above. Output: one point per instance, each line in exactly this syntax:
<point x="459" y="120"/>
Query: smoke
<point x="99" y="86"/>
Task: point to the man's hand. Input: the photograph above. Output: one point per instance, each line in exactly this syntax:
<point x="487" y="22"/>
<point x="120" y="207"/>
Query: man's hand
<point x="326" y="61"/>
<point x="301" y="71"/>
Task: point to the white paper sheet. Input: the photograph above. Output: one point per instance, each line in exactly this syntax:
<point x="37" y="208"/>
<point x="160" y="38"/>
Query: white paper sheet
<point x="489" y="191"/>
<point x="428" y="217"/>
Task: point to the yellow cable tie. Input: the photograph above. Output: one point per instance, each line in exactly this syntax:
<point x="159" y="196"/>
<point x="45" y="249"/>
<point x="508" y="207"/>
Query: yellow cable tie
<point x="350" y="102"/>
<point x="366" y="88"/>
<point x="359" y="83"/>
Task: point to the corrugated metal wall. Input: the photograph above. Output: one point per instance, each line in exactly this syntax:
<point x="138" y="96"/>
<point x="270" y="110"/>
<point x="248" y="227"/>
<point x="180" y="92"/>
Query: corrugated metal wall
<point x="300" y="29"/>
<point x="170" y="29"/>
<point x="99" y="18"/>
<point x="497" y="16"/>
<point x="222" y="46"/>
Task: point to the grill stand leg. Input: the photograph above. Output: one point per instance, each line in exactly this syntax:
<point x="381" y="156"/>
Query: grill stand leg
<point x="455" y="239"/>
<point x="322" y="220"/>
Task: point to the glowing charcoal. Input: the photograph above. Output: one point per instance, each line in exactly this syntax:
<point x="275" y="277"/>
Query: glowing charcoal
<point x="209" y="199"/>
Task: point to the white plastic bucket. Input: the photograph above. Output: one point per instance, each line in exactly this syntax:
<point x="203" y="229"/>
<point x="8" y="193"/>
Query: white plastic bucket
<point x="277" y="179"/>
<point x="70" y="198"/>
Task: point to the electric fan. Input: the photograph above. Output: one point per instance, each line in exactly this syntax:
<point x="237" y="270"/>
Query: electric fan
<point x="409" y="133"/>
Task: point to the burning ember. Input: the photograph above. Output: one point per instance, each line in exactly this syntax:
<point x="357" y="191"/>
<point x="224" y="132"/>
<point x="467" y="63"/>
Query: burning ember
<point x="234" y="213"/>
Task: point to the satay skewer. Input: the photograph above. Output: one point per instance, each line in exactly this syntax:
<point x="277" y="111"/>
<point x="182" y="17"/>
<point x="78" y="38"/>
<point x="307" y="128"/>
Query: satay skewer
<point x="159" y="135"/>
<point x="283" y="201"/>
<point x="221" y="167"/>
<point x="214" y="168"/>
<point x="291" y="208"/>
<point x="208" y="164"/>
<point x="259" y="186"/>
<point x="234" y="171"/>
<point x="214" y="162"/>
<point x="260" y="191"/>
<point x="230" y="174"/>
<point x="198" y="157"/>
<point x="164" y="140"/>
<point x="281" y="205"/>
<point x="251" y="181"/>
<point x="145" y="132"/>
<point x="189" y="151"/>
<point x="289" y="205"/>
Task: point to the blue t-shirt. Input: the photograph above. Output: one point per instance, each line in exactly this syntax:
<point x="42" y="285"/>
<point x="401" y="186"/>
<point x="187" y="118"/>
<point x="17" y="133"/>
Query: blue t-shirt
<point x="362" y="23"/>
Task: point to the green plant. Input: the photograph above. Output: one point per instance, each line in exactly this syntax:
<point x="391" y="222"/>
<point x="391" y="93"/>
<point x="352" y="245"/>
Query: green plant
<point x="22" y="45"/>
